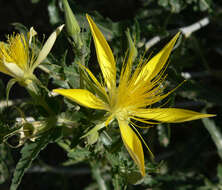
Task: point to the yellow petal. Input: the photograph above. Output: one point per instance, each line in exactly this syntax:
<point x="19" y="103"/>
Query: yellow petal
<point x="127" y="67"/>
<point x="14" y="69"/>
<point x="97" y="88"/>
<point x="104" y="55"/>
<point x="154" y="66"/>
<point x="170" y="115"/>
<point x="16" y="51"/>
<point x="82" y="97"/>
<point x="4" y="70"/>
<point x="97" y="83"/>
<point x="132" y="144"/>
<point x="47" y="46"/>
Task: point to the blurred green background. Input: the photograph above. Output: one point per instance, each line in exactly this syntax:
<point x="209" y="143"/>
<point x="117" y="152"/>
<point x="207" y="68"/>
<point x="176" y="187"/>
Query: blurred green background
<point x="188" y="155"/>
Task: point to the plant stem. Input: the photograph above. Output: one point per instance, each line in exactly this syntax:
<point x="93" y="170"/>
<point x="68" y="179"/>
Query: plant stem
<point x="38" y="98"/>
<point x="97" y="175"/>
<point x="214" y="133"/>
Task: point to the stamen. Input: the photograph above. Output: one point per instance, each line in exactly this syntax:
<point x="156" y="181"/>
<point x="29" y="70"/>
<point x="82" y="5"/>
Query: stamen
<point x="144" y="121"/>
<point x="150" y="152"/>
<point x="145" y="127"/>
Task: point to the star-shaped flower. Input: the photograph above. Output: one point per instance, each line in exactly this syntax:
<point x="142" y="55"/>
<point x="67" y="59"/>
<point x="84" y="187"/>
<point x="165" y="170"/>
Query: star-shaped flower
<point x="132" y="98"/>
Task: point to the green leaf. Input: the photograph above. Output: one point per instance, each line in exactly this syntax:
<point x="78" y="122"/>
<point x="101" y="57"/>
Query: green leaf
<point x="29" y="152"/>
<point x="20" y="27"/>
<point x="5" y="162"/>
<point x="86" y="36"/>
<point x="4" y="172"/>
<point x="63" y="59"/>
<point x="132" y="48"/>
<point x="71" y="74"/>
<point x="79" y="154"/>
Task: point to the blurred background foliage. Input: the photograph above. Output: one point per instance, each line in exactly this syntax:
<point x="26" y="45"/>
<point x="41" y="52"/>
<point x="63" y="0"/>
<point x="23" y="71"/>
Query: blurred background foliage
<point x="187" y="156"/>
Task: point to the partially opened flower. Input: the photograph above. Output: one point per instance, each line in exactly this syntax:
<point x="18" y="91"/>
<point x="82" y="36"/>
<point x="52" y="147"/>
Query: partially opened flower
<point x="19" y="56"/>
<point x="130" y="100"/>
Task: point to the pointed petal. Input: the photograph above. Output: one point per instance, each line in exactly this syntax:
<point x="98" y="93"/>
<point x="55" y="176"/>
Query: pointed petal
<point x="104" y="55"/>
<point x="132" y="144"/>
<point x="97" y="88"/>
<point x="127" y="67"/>
<point x="4" y="70"/>
<point x="48" y="46"/>
<point x="154" y="66"/>
<point x="170" y="115"/>
<point x="82" y="97"/>
<point x="97" y="83"/>
<point x="14" y="69"/>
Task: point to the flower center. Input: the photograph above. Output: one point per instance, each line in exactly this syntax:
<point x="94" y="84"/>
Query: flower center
<point x="121" y="114"/>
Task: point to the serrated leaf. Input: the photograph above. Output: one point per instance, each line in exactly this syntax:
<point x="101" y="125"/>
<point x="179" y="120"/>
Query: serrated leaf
<point x="79" y="154"/>
<point x="134" y="177"/>
<point x="86" y="36"/>
<point x="70" y="117"/>
<point x="29" y="152"/>
<point x="71" y="73"/>
<point x="92" y="138"/>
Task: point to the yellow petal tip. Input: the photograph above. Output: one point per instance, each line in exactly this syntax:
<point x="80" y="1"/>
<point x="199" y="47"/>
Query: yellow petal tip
<point x="55" y="90"/>
<point x="210" y="115"/>
<point x="88" y="17"/>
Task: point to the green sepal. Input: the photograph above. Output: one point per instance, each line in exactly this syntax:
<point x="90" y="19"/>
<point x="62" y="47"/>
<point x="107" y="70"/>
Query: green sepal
<point x="132" y="48"/>
<point x="8" y="88"/>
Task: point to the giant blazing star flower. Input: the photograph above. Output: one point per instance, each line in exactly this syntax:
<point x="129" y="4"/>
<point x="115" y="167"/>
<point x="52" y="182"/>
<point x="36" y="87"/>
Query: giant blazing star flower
<point x="19" y="56"/>
<point x="131" y="100"/>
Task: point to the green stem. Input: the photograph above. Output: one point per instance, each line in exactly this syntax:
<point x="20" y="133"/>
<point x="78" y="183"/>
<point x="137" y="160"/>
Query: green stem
<point x="36" y="95"/>
<point x="97" y="175"/>
<point x="215" y="134"/>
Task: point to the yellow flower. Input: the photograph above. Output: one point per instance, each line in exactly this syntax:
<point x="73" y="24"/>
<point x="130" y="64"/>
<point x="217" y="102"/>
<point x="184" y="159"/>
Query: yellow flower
<point x="19" y="58"/>
<point x="130" y="99"/>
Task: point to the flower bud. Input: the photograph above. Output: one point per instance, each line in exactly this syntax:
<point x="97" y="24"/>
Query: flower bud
<point x="72" y="26"/>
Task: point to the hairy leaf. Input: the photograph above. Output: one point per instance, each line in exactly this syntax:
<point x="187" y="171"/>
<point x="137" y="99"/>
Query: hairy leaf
<point x="29" y="152"/>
